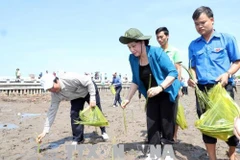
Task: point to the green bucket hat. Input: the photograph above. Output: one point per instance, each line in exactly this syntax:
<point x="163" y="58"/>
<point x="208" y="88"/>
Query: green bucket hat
<point x="132" y="35"/>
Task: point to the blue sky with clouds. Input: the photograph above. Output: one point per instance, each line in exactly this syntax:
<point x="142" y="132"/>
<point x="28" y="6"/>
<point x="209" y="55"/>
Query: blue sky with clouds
<point x="82" y="36"/>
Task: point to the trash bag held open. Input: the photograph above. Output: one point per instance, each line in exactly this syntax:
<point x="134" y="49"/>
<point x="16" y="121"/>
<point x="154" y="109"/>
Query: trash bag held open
<point x="92" y="117"/>
<point x="218" y="120"/>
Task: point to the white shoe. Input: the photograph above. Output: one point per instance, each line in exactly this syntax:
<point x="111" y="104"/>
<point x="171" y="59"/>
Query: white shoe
<point x="74" y="143"/>
<point x="105" y="136"/>
<point x="114" y="106"/>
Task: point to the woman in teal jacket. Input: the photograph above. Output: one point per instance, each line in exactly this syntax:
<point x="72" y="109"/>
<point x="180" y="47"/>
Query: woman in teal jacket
<point x="152" y="65"/>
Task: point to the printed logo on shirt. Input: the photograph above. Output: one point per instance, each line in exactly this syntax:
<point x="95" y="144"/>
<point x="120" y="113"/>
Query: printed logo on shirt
<point x="217" y="49"/>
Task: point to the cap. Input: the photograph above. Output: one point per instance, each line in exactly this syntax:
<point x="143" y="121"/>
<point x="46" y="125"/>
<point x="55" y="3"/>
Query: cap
<point x="47" y="81"/>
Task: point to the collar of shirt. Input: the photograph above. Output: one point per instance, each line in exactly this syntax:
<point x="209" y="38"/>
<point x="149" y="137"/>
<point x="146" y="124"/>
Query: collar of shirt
<point x="215" y="34"/>
<point x="169" y="49"/>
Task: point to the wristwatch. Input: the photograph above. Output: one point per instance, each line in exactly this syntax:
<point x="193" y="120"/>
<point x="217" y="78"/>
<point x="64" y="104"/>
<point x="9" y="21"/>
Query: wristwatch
<point x="229" y="74"/>
<point x="162" y="87"/>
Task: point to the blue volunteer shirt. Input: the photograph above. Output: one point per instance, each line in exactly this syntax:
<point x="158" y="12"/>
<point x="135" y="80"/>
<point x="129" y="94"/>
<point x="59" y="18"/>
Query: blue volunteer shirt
<point x="213" y="58"/>
<point x="117" y="81"/>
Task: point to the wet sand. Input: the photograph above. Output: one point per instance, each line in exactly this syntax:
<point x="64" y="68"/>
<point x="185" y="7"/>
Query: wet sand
<point x="22" y="118"/>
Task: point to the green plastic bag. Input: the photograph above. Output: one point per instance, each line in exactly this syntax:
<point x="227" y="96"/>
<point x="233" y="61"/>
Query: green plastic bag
<point x="92" y="117"/>
<point x="181" y="119"/>
<point x="112" y="89"/>
<point x="218" y="121"/>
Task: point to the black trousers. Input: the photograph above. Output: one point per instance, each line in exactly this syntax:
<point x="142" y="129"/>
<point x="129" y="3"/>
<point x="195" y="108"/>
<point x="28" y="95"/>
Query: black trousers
<point x="232" y="141"/>
<point x="76" y="106"/>
<point x="185" y="90"/>
<point x="161" y="118"/>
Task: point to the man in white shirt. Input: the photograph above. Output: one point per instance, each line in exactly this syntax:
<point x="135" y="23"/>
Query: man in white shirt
<point x="76" y="88"/>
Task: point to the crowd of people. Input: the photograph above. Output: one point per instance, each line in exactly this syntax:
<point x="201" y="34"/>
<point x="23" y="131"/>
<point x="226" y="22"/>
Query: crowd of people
<point x="96" y="77"/>
<point x="156" y="74"/>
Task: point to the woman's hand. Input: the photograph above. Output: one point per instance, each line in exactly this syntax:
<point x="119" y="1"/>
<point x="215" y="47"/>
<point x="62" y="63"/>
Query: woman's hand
<point x="124" y="103"/>
<point x="153" y="91"/>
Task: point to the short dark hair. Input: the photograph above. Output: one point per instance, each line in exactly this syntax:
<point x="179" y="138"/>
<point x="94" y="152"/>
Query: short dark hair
<point x="162" y="29"/>
<point x="146" y="42"/>
<point x="200" y="10"/>
<point x="55" y="79"/>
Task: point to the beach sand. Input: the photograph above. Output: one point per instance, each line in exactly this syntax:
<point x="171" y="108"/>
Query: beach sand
<point x="28" y="113"/>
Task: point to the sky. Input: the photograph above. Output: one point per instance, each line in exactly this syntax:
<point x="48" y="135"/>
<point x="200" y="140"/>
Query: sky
<point x="83" y="36"/>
